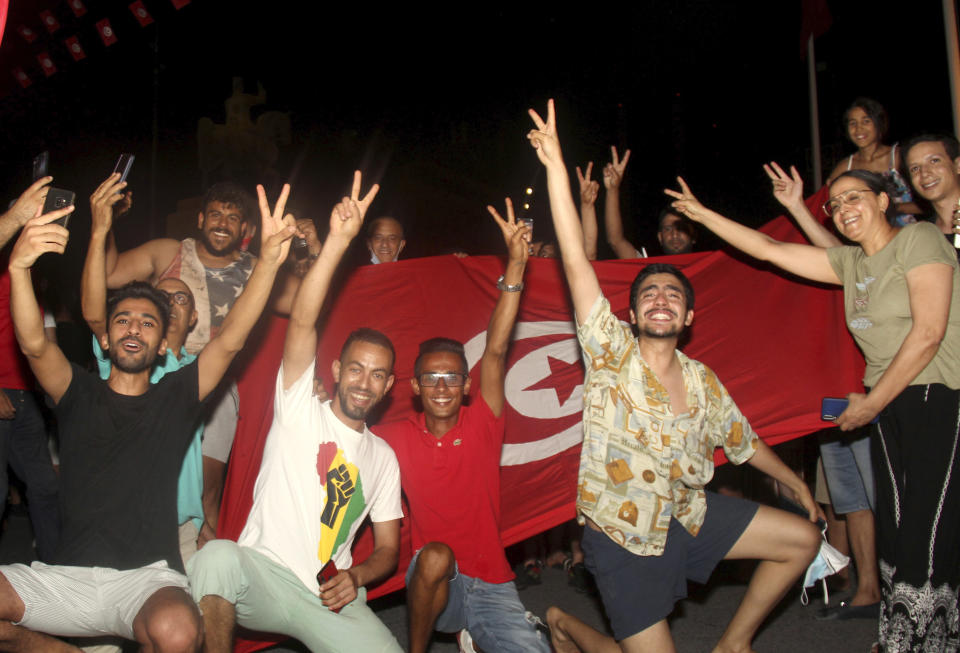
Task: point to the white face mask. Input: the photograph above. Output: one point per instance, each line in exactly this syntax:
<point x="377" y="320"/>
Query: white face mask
<point x="828" y="562"/>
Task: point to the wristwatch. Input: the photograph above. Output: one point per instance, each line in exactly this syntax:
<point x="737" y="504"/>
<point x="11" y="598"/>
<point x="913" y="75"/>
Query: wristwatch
<point x="507" y="287"/>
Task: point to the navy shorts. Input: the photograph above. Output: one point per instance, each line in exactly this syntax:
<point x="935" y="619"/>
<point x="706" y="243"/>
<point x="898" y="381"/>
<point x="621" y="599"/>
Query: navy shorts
<point x="638" y="591"/>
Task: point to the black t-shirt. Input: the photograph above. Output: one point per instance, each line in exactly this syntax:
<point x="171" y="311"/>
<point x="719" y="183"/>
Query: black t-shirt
<point x="120" y="459"/>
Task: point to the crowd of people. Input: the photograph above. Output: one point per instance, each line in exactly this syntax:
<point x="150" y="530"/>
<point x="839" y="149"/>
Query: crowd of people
<point x="126" y="530"/>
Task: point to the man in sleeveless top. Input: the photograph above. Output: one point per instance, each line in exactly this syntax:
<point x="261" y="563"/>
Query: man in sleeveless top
<point x="216" y="270"/>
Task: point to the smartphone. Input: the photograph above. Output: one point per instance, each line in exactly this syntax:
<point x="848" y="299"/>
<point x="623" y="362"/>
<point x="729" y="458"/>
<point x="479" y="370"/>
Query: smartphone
<point x="124" y="163"/>
<point x="327" y="572"/>
<point x="41" y="163"/>
<point x="300" y="248"/>
<point x="57" y="198"/>
<point x="832" y="407"/>
<point x="529" y="223"/>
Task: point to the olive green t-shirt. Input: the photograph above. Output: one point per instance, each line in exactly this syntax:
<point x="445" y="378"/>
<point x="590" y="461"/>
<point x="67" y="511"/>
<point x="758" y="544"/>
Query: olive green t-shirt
<point x="877" y="303"/>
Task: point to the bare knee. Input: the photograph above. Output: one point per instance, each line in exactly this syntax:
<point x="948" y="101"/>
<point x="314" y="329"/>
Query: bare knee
<point x="11" y="605"/>
<point x="808" y="542"/>
<point x="170" y="622"/>
<point x="554" y="616"/>
<point x="435" y="563"/>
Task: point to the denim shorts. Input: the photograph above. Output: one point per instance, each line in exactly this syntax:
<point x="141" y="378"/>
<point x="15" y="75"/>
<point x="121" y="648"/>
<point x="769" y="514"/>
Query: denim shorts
<point x="638" y="591"/>
<point x="491" y="612"/>
<point x="849" y="473"/>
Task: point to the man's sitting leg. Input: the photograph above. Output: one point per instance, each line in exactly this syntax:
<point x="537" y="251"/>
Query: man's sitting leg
<point x="149" y="605"/>
<point x="427" y="591"/>
<point x="235" y="582"/>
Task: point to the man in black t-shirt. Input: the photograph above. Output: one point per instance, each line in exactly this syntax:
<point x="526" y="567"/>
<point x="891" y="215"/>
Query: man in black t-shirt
<point x="118" y="566"/>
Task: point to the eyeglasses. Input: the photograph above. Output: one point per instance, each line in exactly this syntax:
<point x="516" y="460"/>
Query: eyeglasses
<point x="851" y="196"/>
<point x="179" y="297"/>
<point x="450" y="379"/>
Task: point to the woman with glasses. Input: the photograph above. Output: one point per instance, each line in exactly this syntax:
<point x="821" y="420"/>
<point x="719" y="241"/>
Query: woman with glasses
<point x="901" y="287"/>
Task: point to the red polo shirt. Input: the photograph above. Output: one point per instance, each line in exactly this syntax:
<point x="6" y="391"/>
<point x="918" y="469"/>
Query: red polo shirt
<point x="453" y="487"/>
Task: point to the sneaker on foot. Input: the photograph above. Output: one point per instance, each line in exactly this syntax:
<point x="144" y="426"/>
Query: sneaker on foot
<point x="465" y="642"/>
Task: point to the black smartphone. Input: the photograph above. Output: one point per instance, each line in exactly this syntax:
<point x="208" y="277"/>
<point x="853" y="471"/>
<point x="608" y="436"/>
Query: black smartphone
<point x="41" y="163"/>
<point x="832" y="407"/>
<point x="124" y="163"/>
<point x="58" y="198"/>
<point x="299" y="248"/>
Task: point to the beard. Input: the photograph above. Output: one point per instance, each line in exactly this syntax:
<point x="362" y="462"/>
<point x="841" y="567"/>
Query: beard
<point x="143" y="361"/>
<point x="673" y="332"/>
<point x="353" y="412"/>
<point x="226" y="249"/>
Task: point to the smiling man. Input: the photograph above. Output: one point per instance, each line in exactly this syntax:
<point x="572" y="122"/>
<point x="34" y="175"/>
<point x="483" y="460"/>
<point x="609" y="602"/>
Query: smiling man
<point x="118" y="569"/>
<point x="933" y="164"/>
<point x="216" y="269"/>
<point x="459" y="579"/>
<point x="291" y="570"/>
<point x="652" y="419"/>
<point x="385" y="240"/>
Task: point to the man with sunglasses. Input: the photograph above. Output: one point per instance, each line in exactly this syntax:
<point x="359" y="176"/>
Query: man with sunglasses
<point x="459" y="579"/>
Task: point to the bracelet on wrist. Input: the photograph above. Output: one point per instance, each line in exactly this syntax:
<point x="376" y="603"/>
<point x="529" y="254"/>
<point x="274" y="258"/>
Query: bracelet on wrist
<point x="505" y="287"/>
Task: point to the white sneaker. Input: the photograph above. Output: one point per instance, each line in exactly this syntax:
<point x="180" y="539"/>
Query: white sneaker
<point x="465" y="642"/>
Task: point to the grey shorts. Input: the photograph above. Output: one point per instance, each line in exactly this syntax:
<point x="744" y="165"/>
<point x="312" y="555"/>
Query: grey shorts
<point x="86" y="601"/>
<point x="638" y="591"/>
<point x="220" y="426"/>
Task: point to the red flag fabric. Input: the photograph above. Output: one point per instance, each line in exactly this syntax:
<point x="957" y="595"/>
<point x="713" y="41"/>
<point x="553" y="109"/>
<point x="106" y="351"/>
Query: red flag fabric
<point x="179" y="4"/>
<point x="815" y="20"/>
<point x="105" y="30"/>
<point x="49" y="21"/>
<point x="75" y="49"/>
<point x="140" y="12"/>
<point x="28" y="33"/>
<point x="78" y="7"/>
<point x="778" y="345"/>
<point x="22" y="78"/>
<point x="46" y="63"/>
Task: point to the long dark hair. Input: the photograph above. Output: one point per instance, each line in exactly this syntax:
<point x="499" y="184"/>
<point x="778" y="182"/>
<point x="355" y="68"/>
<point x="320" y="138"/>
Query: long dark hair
<point x="874" y="111"/>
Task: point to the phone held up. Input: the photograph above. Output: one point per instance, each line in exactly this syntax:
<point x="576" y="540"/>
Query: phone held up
<point x="58" y="198"/>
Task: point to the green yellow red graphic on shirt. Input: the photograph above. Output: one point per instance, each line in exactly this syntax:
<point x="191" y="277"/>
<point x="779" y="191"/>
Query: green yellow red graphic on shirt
<point x="344" y="499"/>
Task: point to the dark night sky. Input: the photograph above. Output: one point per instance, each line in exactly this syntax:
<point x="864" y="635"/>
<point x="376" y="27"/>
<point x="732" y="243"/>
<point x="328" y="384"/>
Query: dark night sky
<point x="433" y="103"/>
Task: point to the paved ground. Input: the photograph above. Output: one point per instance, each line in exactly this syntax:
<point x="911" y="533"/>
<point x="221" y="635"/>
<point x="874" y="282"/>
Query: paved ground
<point x="696" y="624"/>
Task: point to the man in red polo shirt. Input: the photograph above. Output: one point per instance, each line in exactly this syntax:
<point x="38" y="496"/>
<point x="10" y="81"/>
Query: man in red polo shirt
<point x="459" y="579"/>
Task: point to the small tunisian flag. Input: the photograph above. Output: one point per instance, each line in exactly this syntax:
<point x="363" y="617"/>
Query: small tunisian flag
<point x="73" y="46"/>
<point x="78" y="7"/>
<point x="106" y="32"/>
<point x="46" y="63"/>
<point x="21" y="77"/>
<point x="140" y="13"/>
<point x="49" y="21"/>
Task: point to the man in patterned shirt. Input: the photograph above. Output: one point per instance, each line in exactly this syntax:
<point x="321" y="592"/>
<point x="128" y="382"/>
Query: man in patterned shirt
<point x="652" y="419"/>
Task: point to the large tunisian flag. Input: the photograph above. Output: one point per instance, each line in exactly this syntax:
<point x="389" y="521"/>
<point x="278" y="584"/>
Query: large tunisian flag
<point x="778" y="345"/>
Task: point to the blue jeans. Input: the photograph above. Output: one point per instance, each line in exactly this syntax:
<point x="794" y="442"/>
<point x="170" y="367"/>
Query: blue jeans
<point x="23" y="444"/>
<point x="491" y="612"/>
<point x="849" y="473"/>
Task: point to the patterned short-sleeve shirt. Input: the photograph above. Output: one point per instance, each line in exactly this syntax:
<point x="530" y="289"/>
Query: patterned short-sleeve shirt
<point x="640" y="464"/>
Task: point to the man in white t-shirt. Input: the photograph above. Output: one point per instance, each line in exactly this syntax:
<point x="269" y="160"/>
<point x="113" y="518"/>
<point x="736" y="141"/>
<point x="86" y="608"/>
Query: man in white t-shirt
<point x="322" y="473"/>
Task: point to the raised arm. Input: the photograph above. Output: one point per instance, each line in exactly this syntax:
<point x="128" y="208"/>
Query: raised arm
<point x="27" y="206"/>
<point x="48" y="363"/>
<point x="143" y="263"/>
<point x="93" y="283"/>
<point x="788" y="189"/>
<point x="806" y="261"/>
<point x="930" y="287"/>
<point x="493" y="364"/>
<point x="346" y="219"/>
<point x="275" y="234"/>
<point x="612" y="177"/>
<point x="581" y="278"/>
<point x="588" y="211"/>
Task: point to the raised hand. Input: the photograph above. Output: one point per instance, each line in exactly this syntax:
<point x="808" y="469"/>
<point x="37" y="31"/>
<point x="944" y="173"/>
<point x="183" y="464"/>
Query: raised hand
<point x="347" y="216"/>
<point x="40" y="236"/>
<point x="30" y="201"/>
<point x="544" y="138"/>
<point x="613" y="171"/>
<point x="102" y="202"/>
<point x="276" y="229"/>
<point x="588" y="188"/>
<point x="788" y="189"/>
<point x="686" y="203"/>
<point x="516" y="235"/>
